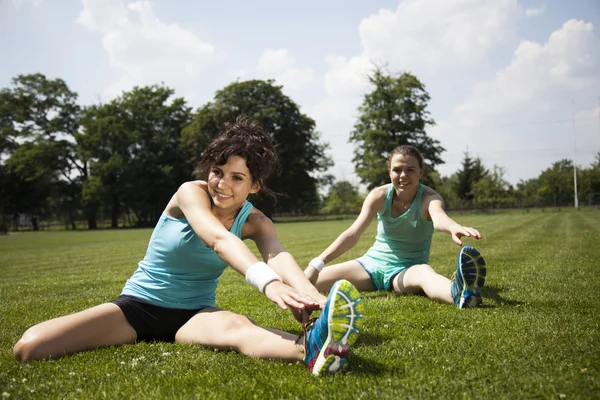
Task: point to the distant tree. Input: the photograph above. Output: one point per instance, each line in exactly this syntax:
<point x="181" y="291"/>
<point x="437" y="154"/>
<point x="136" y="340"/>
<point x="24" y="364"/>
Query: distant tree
<point x="133" y="144"/>
<point x="472" y="170"/>
<point x="39" y="123"/>
<point x="555" y="184"/>
<point x="301" y="153"/>
<point x="589" y="181"/>
<point x="342" y="198"/>
<point x="392" y="114"/>
<point x="8" y="133"/>
<point x="7" y="145"/>
<point x="526" y="191"/>
<point x="492" y="190"/>
<point x="445" y="186"/>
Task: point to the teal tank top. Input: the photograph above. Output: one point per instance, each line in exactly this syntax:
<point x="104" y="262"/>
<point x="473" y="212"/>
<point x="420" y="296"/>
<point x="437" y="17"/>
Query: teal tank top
<point x="179" y="271"/>
<point x="404" y="240"/>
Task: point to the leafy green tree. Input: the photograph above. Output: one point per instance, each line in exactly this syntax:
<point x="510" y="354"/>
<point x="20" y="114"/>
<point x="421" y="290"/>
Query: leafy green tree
<point x="589" y="182"/>
<point x="445" y="186"/>
<point x="301" y="153"/>
<point x="342" y="198"/>
<point x="43" y="116"/>
<point x="492" y="190"/>
<point x="555" y="184"/>
<point x="7" y="145"/>
<point x="133" y="144"/>
<point x="7" y="132"/>
<point x="472" y="170"/>
<point x="393" y="114"/>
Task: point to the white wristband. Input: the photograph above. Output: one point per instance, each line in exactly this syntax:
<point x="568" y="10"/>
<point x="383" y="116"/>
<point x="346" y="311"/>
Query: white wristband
<point x="317" y="264"/>
<point x="259" y="274"/>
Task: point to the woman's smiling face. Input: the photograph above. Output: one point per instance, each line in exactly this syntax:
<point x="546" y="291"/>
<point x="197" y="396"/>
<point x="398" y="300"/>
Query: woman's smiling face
<point x="231" y="183"/>
<point x="405" y="172"/>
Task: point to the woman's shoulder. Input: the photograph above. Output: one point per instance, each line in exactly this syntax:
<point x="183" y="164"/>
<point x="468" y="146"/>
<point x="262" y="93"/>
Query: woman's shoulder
<point x="427" y="191"/>
<point x="187" y="191"/>
<point x="429" y="194"/>
<point x="257" y="217"/>
<point x="199" y="183"/>
<point x="380" y="191"/>
<point x="375" y="200"/>
<point x="255" y="223"/>
<point x="190" y="188"/>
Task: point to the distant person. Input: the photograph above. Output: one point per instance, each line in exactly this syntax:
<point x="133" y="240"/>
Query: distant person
<point x="407" y="213"/>
<point x="171" y="295"/>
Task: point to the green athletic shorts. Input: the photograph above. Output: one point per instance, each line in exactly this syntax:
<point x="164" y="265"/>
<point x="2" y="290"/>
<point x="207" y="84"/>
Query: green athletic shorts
<point x="382" y="274"/>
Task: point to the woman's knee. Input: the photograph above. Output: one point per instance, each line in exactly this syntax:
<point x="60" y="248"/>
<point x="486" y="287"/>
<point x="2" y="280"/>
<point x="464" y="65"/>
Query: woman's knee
<point x="237" y="322"/>
<point x="412" y="279"/>
<point x="422" y="269"/>
<point x="235" y="327"/>
<point x="29" y="347"/>
<point x="236" y="332"/>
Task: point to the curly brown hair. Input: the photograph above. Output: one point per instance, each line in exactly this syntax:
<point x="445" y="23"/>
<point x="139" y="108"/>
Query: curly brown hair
<point x="247" y="139"/>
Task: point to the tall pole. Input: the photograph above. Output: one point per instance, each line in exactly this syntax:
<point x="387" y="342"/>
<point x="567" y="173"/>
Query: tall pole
<point x="574" y="164"/>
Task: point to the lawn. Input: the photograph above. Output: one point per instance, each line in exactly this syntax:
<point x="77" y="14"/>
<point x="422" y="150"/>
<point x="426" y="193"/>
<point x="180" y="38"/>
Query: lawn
<point x="536" y="336"/>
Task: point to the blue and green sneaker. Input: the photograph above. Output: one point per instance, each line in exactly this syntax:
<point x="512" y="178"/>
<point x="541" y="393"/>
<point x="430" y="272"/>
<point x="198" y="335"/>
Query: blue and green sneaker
<point x="468" y="278"/>
<point x="328" y="337"/>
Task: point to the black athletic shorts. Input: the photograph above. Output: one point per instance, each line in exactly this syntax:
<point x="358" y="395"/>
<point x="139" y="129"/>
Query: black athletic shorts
<point x="153" y="322"/>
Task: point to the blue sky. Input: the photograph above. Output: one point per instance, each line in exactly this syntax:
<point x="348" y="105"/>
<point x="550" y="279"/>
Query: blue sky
<point x="513" y="82"/>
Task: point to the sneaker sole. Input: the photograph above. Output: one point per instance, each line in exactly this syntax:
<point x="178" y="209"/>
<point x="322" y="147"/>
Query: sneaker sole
<point x="473" y="272"/>
<point x="344" y="323"/>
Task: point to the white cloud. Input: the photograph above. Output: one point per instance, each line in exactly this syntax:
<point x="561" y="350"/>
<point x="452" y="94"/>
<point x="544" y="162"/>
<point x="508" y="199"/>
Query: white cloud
<point x="428" y="35"/>
<point x="275" y="61"/>
<point x="347" y="77"/>
<point x="144" y="48"/>
<point x="522" y="118"/>
<point x="535" y="11"/>
<point x="280" y="65"/>
<point x="568" y="63"/>
<point x="441" y="41"/>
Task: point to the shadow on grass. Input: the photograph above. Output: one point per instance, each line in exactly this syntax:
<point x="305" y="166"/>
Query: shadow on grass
<point x="371" y="339"/>
<point x="493" y="293"/>
<point x="364" y="366"/>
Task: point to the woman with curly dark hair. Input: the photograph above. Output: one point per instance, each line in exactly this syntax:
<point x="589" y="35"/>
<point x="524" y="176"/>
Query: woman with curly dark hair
<point x="171" y="295"/>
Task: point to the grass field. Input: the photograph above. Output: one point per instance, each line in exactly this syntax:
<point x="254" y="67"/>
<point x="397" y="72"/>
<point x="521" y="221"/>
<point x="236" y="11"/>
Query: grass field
<point x="536" y="336"/>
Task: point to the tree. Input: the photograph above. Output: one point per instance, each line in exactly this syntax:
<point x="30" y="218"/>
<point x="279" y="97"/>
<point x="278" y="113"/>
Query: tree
<point x="133" y="144"/>
<point x="342" y="198"/>
<point x="393" y="114"/>
<point x="7" y="145"/>
<point x="446" y="187"/>
<point x="472" y="171"/>
<point x="301" y="153"/>
<point x="28" y="186"/>
<point x="555" y="184"/>
<point x="43" y="116"/>
<point x="492" y="190"/>
<point x="589" y="181"/>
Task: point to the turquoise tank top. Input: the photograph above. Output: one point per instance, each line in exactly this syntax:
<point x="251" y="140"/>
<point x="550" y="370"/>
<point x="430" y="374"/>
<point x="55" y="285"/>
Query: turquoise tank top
<point x="404" y="240"/>
<point x="179" y="271"/>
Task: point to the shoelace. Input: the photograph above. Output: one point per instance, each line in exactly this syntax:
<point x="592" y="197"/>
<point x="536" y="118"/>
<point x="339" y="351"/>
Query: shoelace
<point x="305" y="326"/>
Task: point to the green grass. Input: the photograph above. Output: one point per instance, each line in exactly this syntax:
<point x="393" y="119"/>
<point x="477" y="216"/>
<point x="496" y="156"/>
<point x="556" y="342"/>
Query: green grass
<point x="537" y="335"/>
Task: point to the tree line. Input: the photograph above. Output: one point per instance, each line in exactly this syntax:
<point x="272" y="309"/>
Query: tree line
<point x="63" y="161"/>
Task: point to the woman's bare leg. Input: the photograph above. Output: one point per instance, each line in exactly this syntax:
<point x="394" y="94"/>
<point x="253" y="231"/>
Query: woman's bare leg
<point x="103" y="325"/>
<point x="423" y="279"/>
<point x="224" y="330"/>
<point x="349" y="270"/>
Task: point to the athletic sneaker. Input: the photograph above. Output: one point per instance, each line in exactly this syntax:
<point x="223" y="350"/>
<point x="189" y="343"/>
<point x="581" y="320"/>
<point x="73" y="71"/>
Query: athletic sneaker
<point x="328" y="337"/>
<point x="468" y="278"/>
